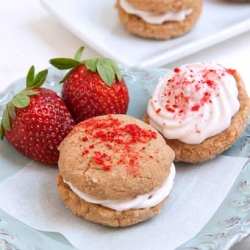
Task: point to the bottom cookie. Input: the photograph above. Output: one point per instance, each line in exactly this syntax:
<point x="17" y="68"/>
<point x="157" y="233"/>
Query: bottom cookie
<point x="103" y="215"/>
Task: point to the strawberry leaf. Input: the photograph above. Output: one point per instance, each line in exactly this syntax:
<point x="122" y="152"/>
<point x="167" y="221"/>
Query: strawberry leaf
<point x="1" y="131"/>
<point x="33" y="81"/>
<point x="78" y="54"/>
<point x="106" y="68"/>
<point x="6" y="120"/>
<point x="11" y="110"/>
<point x="39" y="79"/>
<point x="64" y="63"/>
<point x="116" y="69"/>
<point x="105" y="71"/>
<point x="21" y="101"/>
<point x="30" y="77"/>
<point x="91" y="64"/>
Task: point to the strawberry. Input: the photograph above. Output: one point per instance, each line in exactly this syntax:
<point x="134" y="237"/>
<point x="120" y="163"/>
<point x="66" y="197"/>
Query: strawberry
<point x="36" y="120"/>
<point x="92" y="87"/>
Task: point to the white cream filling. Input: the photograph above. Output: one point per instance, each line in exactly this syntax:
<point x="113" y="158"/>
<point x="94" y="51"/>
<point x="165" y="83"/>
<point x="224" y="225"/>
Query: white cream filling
<point x="141" y="201"/>
<point x="155" y="18"/>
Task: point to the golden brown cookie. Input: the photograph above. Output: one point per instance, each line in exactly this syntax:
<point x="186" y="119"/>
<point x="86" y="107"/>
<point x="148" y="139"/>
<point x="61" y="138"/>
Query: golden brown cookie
<point x="215" y="145"/>
<point x="112" y="157"/>
<point x="167" y="30"/>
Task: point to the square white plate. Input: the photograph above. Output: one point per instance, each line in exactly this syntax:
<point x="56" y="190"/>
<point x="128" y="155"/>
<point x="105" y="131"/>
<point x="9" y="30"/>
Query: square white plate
<point x="96" y="23"/>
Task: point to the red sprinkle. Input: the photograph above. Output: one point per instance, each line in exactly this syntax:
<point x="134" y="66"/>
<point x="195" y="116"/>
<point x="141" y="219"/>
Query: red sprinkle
<point x="210" y="83"/>
<point x="106" y="167"/>
<point x="85" y="138"/>
<point x="169" y="109"/>
<point x="196" y="107"/>
<point x="231" y="71"/>
<point x="158" y="111"/>
<point x="98" y="158"/>
<point x="85" y="152"/>
<point x="177" y="70"/>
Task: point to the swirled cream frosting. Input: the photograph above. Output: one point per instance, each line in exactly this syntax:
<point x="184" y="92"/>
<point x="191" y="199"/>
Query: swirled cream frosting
<point x="194" y="102"/>
<point x="155" y="18"/>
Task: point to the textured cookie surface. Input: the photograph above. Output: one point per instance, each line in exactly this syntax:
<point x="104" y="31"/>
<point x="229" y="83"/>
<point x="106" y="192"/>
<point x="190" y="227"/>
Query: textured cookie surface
<point x="211" y="147"/>
<point x="115" y="157"/>
<point x="165" y="31"/>
<point x="103" y="215"/>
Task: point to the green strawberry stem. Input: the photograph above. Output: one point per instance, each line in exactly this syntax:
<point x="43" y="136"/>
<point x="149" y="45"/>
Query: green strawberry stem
<point x="22" y="99"/>
<point x="106" y="68"/>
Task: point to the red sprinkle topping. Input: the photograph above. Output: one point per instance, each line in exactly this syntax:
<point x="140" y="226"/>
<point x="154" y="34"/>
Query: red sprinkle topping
<point x="106" y="167"/>
<point x="130" y="133"/>
<point x="169" y="109"/>
<point x="158" y="111"/>
<point x="196" y="107"/>
<point x="210" y="83"/>
<point x="98" y="157"/>
<point x="85" y="151"/>
<point x="85" y="138"/>
<point x="177" y="70"/>
<point x="121" y="140"/>
<point x="231" y="71"/>
<point x="195" y="88"/>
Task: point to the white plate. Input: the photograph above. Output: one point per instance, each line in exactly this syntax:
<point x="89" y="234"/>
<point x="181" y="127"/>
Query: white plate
<point x="97" y="24"/>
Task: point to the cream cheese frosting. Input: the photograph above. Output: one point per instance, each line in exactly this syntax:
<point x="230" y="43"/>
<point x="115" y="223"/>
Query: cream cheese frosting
<point x="155" y="18"/>
<point x="141" y="201"/>
<point x="194" y="102"/>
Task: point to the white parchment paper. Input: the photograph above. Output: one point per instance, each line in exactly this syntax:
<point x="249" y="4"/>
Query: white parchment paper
<point x="31" y="196"/>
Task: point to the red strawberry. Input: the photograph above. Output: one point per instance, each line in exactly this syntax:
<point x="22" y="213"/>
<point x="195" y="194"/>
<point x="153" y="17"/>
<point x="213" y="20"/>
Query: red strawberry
<point x="92" y="87"/>
<point x="36" y="120"/>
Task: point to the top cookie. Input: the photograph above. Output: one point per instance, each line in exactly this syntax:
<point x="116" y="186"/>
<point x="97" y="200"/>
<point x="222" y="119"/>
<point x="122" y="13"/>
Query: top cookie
<point x="115" y="157"/>
<point x="160" y="6"/>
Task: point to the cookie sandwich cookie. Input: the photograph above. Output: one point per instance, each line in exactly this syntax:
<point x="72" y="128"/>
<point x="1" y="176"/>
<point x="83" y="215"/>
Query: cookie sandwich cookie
<point x="115" y="170"/>
<point x="201" y="109"/>
<point x="159" y="19"/>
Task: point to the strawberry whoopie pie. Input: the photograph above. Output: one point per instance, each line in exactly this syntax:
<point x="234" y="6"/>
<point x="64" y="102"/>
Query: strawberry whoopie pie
<point x="115" y="170"/>
<point x="159" y="19"/>
<point x="201" y="109"/>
